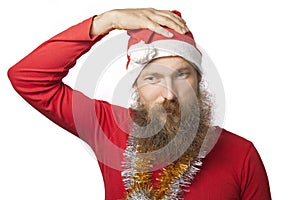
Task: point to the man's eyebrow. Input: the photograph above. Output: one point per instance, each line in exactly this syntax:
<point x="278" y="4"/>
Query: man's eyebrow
<point x="185" y="68"/>
<point x="150" y="73"/>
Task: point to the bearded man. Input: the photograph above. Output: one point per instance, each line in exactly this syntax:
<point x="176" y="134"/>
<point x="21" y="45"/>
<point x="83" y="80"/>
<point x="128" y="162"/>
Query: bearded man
<point x="170" y="150"/>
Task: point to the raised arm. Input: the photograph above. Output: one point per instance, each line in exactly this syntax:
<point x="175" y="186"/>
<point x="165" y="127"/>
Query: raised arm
<point x="38" y="76"/>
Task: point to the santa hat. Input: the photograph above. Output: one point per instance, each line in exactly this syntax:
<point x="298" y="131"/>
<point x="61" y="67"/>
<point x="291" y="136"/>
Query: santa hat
<point x="145" y="45"/>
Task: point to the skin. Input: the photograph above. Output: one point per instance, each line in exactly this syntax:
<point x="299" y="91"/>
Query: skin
<point x="131" y="19"/>
<point x="167" y="78"/>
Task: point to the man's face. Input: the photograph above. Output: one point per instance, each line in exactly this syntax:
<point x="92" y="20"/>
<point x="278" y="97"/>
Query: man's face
<point x="167" y="78"/>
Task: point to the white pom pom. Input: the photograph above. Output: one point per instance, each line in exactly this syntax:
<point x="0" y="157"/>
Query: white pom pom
<point x="142" y="53"/>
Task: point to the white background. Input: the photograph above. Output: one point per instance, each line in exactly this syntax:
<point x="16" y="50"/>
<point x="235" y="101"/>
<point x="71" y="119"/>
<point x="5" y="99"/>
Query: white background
<point x="254" y="44"/>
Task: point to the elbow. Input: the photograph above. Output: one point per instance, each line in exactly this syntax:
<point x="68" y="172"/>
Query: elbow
<point x="12" y="74"/>
<point x="18" y="78"/>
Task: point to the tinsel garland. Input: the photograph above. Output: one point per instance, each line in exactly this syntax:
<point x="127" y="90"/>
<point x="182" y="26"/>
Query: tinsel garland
<point x="172" y="180"/>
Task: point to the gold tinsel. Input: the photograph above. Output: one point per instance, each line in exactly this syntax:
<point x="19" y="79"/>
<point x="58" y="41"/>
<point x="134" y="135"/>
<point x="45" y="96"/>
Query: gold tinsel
<point x="143" y="180"/>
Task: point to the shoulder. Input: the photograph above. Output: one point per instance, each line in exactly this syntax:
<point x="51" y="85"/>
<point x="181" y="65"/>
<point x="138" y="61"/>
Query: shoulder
<point x="232" y="140"/>
<point x="231" y="146"/>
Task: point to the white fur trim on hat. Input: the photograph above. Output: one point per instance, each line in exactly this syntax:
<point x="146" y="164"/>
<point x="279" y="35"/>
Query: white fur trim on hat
<point x="141" y="53"/>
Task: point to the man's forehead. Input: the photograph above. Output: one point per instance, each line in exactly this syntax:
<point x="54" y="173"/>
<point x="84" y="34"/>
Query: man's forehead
<point x="168" y="64"/>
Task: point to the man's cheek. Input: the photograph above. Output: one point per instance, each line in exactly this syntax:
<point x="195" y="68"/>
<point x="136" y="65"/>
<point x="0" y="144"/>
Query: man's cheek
<point x="187" y="94"/>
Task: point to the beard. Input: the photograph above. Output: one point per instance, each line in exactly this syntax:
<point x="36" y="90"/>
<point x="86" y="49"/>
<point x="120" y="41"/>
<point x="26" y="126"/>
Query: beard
<point x="171" y="130"/>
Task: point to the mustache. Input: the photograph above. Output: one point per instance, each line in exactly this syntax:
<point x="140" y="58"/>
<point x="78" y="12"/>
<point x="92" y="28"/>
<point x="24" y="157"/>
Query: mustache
<point x="171" y="105"/>
<point x="167" y="106"/>
<point x="168" y="110"/>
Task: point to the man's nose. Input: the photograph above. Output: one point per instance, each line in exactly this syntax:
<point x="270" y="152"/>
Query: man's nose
<point x="168" y="90"/>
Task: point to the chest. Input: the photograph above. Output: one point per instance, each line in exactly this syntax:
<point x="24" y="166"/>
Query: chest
<point x="214" y="181"/>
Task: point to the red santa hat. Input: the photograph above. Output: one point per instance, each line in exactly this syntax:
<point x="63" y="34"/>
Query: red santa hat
<point x="145" y="45"/>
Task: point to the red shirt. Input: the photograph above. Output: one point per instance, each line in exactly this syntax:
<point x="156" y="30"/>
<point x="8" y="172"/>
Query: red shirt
<point x="232" y="170"/>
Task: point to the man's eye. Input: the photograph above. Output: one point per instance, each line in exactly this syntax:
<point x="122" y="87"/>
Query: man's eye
<point x="182" y="75"/>
<point x="151" y="79"/>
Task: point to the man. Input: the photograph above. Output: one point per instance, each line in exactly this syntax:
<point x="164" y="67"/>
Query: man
<point x="166" y="134"/>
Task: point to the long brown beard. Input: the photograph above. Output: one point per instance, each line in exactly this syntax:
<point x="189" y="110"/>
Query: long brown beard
<point x="179" y="134"/>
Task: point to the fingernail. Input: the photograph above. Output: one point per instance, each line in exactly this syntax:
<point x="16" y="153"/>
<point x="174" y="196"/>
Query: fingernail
<point x="187" y="29"/>
<point x="184" y="30"/>
<point x="169" y="34"/>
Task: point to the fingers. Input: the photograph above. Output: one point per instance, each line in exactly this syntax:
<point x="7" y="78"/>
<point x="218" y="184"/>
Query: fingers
<point x="179" y="20"/>
<point x="166" y="18"/>
<point x="160" y="30"/>
<point x="171" y="23"/>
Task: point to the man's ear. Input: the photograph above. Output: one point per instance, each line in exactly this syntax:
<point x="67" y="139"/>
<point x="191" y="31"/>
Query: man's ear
<point x="199" y="77"/>
<point x="134" y="85"/>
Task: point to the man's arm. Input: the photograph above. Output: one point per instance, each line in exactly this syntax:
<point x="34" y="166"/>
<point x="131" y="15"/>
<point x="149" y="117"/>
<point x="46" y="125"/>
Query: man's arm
<point x="255" y="184"/>
<point x="38" y="76"/>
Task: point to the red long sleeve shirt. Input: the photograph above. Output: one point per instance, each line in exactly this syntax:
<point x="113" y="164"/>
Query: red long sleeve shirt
<point x="232" y="170"/>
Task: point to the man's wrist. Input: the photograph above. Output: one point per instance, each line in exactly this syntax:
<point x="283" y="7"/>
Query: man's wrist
<point x="101" y="24"/>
